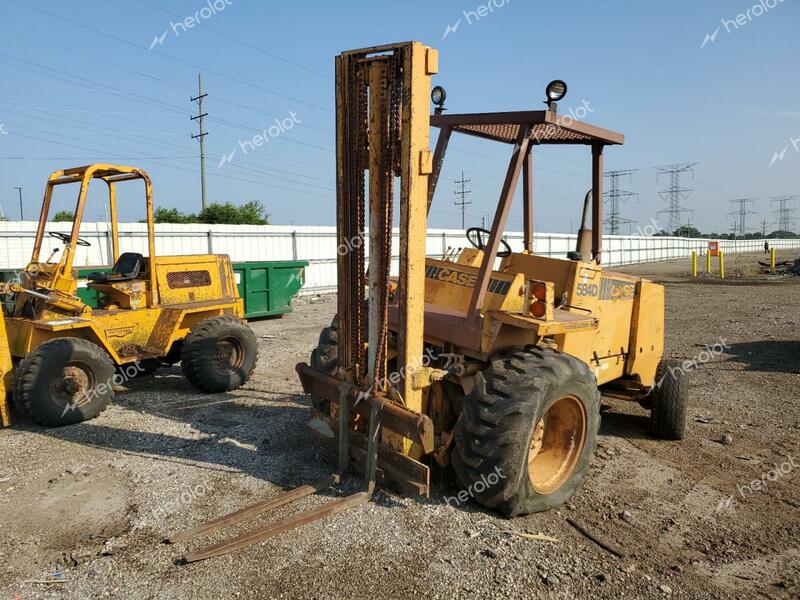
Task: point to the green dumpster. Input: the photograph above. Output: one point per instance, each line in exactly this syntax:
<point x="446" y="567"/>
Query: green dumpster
<point x="266" y="287"/>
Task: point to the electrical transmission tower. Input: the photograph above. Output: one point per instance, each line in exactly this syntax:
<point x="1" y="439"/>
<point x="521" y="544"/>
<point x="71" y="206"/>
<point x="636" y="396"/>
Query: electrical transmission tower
<point x="785" y="212"/>
<point x="741" y="213"/>
<point x="462" y="202"/>
<point x="201" y="136"/>
<point x="674" y="193"/>
<point x="613" y="197"/>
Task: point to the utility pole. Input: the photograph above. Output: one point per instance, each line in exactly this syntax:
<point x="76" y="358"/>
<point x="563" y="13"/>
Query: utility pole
<point x="674" y="193"/>
<point x="764" y="228"/>
<point x="201" y="136"/>
<point x="613" y="197"/>
<point x="21" y="213"/>
<point x="462" y="194"/>
<point x="741" y="214"/>
<point x="785" y="211"/>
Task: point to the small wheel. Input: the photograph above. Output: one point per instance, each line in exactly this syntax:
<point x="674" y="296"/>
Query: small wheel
<point x="528" y="431"/>
<point x="219" y="354"/>
<point x="64" y="381"/>
<point x="476" y="235"/>
<point x="670" y="400"/>
<point x="325" y="358"/>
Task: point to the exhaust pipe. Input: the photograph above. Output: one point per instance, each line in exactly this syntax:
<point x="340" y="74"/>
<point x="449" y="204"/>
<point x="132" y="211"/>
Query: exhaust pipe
<point x="583" y="249"/>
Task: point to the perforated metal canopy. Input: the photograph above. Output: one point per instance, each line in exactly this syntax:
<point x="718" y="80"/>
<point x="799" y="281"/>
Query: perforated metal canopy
<point x="547" y="127"/>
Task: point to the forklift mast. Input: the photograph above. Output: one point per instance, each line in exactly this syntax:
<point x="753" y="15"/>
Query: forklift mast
<point x="382" y="134"/>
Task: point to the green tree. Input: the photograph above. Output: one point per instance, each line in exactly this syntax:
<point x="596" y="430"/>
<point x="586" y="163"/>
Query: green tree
<point x="63" y="216"/>
<point x="687" y="231"/>
<point x="250" y="213"/>
<point x="172" y="215"/>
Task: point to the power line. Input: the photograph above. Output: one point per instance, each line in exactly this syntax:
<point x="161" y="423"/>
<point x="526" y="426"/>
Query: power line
<point x="201" y="137"/>
<point x="675" y="193"/>
<point x="614" y="196"/>
<point x="740" y="224"/>
<point x="172" y="58"/>
<point x="243" y="43"/>
<point x="785" y="211"/>
<point x="158" y="79"/>
<point x="462" y="194"/>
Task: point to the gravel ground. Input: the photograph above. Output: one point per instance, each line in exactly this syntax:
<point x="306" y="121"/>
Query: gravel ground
<point x="709" y="517"/>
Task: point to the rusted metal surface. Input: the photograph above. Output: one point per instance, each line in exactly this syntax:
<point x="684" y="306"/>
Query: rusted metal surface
<point x="264" y="533"/>
<point x="597" y="202"/>
<point x="414" y="426"/>
<point x="518" y="156"/>
<point x="527" y="202"/>
<point x="438" y="160"/>
<point x="255" y="509"/>
<point x="546" y="127"/>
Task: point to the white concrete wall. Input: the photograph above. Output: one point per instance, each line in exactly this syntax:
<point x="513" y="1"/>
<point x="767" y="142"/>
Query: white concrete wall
<point x="318" y="245"/>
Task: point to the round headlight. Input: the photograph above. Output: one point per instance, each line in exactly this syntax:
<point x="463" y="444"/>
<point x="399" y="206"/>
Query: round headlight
<point x="438" y="95"/>
<point x="556" y="90"/>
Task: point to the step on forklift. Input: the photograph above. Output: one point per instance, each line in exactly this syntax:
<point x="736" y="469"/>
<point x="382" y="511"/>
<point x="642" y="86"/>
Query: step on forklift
<point x="61" y="358"/>
<point x="490" y="361"/>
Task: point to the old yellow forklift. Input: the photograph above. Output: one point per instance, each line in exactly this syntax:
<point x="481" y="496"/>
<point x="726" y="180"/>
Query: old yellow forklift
<point x="490" y="361"/>
<point x="153" y="309"/>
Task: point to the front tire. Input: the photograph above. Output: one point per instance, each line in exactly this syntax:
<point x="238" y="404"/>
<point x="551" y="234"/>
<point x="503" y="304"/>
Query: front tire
<point x="219" y="354"/>
<point x="64" y="381"/>
<point x="528" y="431"/>
<point x="670" y="400"/>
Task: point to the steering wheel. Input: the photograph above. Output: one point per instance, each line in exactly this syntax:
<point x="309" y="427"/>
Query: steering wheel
<point x="478" y="237"/>
<point x="67" y="238"/>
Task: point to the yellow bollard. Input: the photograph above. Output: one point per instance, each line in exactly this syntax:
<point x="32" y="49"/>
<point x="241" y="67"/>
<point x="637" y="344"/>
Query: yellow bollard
<point x="721" y="264"/>
<point x="772" y="253"/>
<point x="694" y="263"/>
<point x="708" y="263"/>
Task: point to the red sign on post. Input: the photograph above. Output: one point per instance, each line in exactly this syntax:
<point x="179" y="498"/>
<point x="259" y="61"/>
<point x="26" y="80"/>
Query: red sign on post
<point x="713" y="248"/>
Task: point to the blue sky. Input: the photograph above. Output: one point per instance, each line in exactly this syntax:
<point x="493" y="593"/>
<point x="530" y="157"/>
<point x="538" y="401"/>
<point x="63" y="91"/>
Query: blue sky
<point x="80" y="84"/>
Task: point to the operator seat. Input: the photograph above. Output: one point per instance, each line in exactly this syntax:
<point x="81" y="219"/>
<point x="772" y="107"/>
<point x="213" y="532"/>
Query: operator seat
<point x="128" y="266"/>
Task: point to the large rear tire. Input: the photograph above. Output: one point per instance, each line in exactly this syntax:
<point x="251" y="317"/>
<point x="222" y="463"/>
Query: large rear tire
<point x="64" y="381"/>
<point x="670" y="400"/>
<point x="219" y="354"/>
<point x="528" y="431"/>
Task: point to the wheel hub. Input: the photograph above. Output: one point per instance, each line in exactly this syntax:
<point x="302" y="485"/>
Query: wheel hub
<point x="229" y="355"/>
<point x="556" y="444"/>
<point x="72" y="386"/>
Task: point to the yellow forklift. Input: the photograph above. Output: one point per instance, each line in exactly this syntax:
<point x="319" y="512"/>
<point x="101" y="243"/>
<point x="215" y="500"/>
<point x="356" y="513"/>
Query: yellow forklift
<point x="67" y="356"/>
<point x="490" y="360"/>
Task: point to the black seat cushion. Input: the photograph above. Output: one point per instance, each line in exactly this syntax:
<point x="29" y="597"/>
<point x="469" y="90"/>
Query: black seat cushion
<point x="128" y="266"/>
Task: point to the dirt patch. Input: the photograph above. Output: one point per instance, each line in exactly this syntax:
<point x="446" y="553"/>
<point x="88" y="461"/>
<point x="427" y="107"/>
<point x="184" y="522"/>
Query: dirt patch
<point x="686" y="516"/>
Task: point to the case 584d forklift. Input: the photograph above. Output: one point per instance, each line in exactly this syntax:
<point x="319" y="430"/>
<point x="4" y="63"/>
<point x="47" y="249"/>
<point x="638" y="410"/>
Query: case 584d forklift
<point x="491" y="361"/>
<point x="62" y="358"/>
